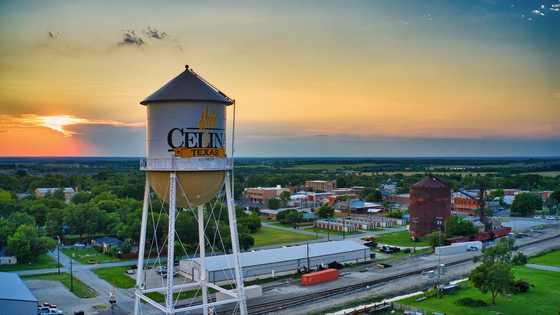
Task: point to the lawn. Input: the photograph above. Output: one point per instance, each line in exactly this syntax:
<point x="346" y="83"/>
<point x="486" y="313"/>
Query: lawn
<point x="81" y="290"/>
<point x="550" y="259"/>
<point x="539" y="300"/>
<point x="84" y="255"/>
<point x="43" y="262"/>
<point x="399" y="238"/>
<point x="119" y="274"/>
<point x="269" y="236"/>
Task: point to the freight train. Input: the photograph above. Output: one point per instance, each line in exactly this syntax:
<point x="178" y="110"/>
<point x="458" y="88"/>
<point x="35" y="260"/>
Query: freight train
<point x="482" y="236"/>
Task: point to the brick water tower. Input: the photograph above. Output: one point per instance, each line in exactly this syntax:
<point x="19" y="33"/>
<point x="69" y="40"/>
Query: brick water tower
<point x="430" y="206"/>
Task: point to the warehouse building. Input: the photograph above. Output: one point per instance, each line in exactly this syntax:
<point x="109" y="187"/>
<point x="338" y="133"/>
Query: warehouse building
<point x="15" y="297"/>
<point x="275" y="262"/>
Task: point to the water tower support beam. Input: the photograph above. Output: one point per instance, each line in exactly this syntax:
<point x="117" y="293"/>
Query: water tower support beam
<point x="202" y="251"/>
<point x="141" y="248"/>
<point x="171" y="242"/>
<point x="235" y="248"/>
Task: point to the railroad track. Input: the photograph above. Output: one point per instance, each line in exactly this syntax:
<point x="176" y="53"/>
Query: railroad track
<point x="277" y="305"/>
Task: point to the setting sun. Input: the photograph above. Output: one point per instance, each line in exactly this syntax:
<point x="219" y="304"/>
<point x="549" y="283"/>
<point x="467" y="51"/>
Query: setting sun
<point x="57" y="122"/>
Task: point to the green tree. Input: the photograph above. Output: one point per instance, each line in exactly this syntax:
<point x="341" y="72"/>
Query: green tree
<point x="496" y="278"/>
<point x="27" y="246"/>
<point x="83" y="219"/>
<point x="525" y="204"/>
<point x="59" y="194"/>
<point x="458" y="226"/>
<point x="519" y="259"/>
<point x="81" y="197"/>
<point x="499" y="253"/>
<point x="19" y="246"/>
<point x="553" y="201"/>
<point x="273" y="203"/>
<point x="126" y="248"/>
<point x="285" y="197"/>
<point x="20" y="218"/>
<point x="251" y="222"/>
<point x="284" y="213"/>
<point x="5" y="195"/>
<point x="325" y="212"/>
<point x="377" y="196"/>
<point x="7" y="228"/>
<point x="395" y="214"/>
<point x="293" y="217"/>
<point x="246" y="241"/>
<point x="39" y="212"/>
<point x="113" y="251"/>
<point x="436" y="239"/>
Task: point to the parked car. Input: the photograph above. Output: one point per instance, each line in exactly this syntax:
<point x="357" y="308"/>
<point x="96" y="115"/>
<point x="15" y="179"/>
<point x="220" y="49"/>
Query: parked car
<point x="49" y="310"/>
<point x="175" y="274"/>
<point x="550" y="218"/>
<point x="537" y="217"/>
<point x="161" y="270"/>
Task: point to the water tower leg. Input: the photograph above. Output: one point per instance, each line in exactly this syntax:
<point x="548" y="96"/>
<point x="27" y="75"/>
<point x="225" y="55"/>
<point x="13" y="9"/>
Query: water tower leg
<point x="142" y="246"/>
<point x="202" y="251"/>
<point x="235" y="248"/>
<point x="171" y="243"/>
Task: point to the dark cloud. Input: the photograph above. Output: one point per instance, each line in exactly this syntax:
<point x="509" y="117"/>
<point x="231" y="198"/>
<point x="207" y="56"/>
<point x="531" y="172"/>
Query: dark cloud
<point x="52" y="34"/>
<point x="153" y="33"/>
<point x="130" y="38"/>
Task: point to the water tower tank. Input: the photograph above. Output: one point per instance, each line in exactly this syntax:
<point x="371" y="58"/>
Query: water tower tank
<point x="186" y="134"/>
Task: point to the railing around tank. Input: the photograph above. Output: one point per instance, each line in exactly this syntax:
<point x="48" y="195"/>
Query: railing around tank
<point x="186" y="164"/>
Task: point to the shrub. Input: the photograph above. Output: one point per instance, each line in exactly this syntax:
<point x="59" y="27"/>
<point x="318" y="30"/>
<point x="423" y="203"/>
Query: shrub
<point x="467" y="301"/>
<point x="98" y="248"/>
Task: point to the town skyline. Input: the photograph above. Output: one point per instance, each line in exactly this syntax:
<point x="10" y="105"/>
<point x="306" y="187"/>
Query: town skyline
<point x="310" y="79"/>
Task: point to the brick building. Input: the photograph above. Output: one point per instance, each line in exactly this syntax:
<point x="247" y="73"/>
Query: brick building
<point x="262" y="194"/>
<point x="325" y="185"/>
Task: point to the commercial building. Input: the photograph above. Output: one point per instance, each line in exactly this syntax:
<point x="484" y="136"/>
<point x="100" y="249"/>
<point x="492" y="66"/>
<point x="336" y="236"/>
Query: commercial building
<point x="262" y="194"/>
<point x="276" y="262"/>
<point x="324" y="185"/>
<point x="15" y="297"/>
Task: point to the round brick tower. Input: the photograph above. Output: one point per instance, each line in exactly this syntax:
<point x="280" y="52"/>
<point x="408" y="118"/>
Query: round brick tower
<point x="430" y="206"/>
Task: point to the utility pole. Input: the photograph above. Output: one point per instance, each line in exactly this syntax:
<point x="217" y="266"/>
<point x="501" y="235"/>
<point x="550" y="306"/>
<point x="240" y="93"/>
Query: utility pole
<point x="343" y="227"/>
<point x="58" y="253"/>
<point x="328" y="229"/>
<point x="71" y="277"/>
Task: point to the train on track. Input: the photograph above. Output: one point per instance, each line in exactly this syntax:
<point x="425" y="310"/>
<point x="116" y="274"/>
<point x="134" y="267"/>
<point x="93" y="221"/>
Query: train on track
<point x="482" y="236"/>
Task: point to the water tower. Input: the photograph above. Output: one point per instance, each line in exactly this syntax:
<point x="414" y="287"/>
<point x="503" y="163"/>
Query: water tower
<point x="186" y="166"/>
<point x="430" y="206"/>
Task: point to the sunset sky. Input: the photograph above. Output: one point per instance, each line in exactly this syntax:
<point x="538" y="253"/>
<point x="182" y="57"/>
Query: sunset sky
<point x="310" y="78"/>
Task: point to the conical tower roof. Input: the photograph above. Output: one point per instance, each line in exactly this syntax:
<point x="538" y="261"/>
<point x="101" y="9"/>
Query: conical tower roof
<point x="187" y="86"/>
<point x="431" y="182"/>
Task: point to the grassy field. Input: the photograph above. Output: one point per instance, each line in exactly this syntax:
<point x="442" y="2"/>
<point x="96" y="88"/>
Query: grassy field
<point x="118" y="273"/>
<point x="269" y="236"/>
<point x="550" y="259"/>
<point x="43" y="262"/>
<point x="539" y="300"/>
<point x="399" y="238"/>
<point x="81" y="290"/>
<point x="85" y="255"/>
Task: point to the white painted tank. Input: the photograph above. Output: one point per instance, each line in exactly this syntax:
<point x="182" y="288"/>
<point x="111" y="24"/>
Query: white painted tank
<point x="186" y="133"/>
